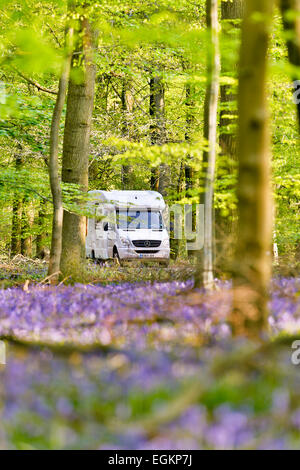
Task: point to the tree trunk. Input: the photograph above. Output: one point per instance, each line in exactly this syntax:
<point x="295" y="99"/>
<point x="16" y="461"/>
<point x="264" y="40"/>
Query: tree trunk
<point x="292" y="27"/>
<point x="231" y="11"/>
<point x="160" y="175"/>
<point x="41" y="248"/>
<point x="76" y="149"/>
<point x="16" y="228"/>
<point x="252" y="258"/>
<point x="26" y="235"/>
<point x="206" y="276"/>
<point x="128" y="131"/>
<point x="57" y="218"/>
<point x="190" y="118"/>
<point x="188" y="169"/>
<point x="26" y="246"/>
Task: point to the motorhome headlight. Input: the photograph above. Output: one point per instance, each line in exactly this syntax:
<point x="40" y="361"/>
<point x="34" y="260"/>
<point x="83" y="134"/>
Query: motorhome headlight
<point x="165" y="243"/>
<point x="125" y="241"/>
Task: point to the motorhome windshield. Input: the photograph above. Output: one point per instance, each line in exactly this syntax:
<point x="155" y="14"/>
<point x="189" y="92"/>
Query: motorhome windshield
<point x="139" y="219"/>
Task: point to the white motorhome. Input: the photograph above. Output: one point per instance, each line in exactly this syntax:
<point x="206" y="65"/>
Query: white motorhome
<point x="127" y="225"/>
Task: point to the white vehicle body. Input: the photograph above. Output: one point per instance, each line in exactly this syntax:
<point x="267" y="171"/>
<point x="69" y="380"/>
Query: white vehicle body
<point x="127" y="225"/>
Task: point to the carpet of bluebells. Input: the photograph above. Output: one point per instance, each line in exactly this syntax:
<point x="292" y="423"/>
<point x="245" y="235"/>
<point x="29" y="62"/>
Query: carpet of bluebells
<point x="145" y="366"/>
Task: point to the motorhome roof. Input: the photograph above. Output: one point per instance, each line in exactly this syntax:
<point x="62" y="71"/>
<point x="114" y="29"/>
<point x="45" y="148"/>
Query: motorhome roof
<point x="135" y="198"/>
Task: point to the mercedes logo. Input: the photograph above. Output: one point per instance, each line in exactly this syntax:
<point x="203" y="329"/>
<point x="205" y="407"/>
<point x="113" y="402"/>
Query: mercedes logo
<point x="147" y="243"/>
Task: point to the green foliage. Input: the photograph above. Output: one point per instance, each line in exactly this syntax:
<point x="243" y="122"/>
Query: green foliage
<point x="135" y="40"/>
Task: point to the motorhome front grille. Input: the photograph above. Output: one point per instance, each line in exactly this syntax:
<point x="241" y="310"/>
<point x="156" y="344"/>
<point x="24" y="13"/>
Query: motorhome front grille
<point x="146" y="243"/>
<point x="147" y="251"/>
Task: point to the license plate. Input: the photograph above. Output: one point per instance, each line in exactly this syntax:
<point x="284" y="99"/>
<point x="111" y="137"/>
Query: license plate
<point x="146" y="256"/>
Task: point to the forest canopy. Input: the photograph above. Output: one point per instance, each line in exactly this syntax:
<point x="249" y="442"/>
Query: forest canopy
<point x="149" y="224"/>
<point x="135" y="41"/>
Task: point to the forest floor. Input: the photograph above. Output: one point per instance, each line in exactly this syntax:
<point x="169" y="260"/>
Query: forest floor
<point x="115" y="364"/>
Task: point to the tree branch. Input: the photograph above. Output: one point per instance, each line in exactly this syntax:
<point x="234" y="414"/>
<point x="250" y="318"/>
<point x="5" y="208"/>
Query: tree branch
<point x="35" y="84"/>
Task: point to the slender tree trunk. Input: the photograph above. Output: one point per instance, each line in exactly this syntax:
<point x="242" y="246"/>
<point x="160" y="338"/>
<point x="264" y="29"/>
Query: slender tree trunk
<point x="231" y="11"/>
<point x="188" y="169"/>
<point x="159" y="176"/>
<point x="26" y="235"/>
<point x="16" y="228"/>
<point x="76" y="149"/>
<point x="291" y="25"/>
<point x="57" y="218"/>
<point x="128" y="127"/>
<point x="41" y="248"/>
<point x="290" y="10"/>
<point x="206" y="277"/>
<point x="175" y="243"/>
<point x="225" y="227"/>
<point x="252" y="258"/>
<point x="181" y="178"/>
<point x="154" y="182"/>
<point x="190" y="118"/>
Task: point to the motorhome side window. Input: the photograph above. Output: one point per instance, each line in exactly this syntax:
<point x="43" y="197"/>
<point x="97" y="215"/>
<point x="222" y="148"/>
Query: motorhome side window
<point x="131" y="219"/>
